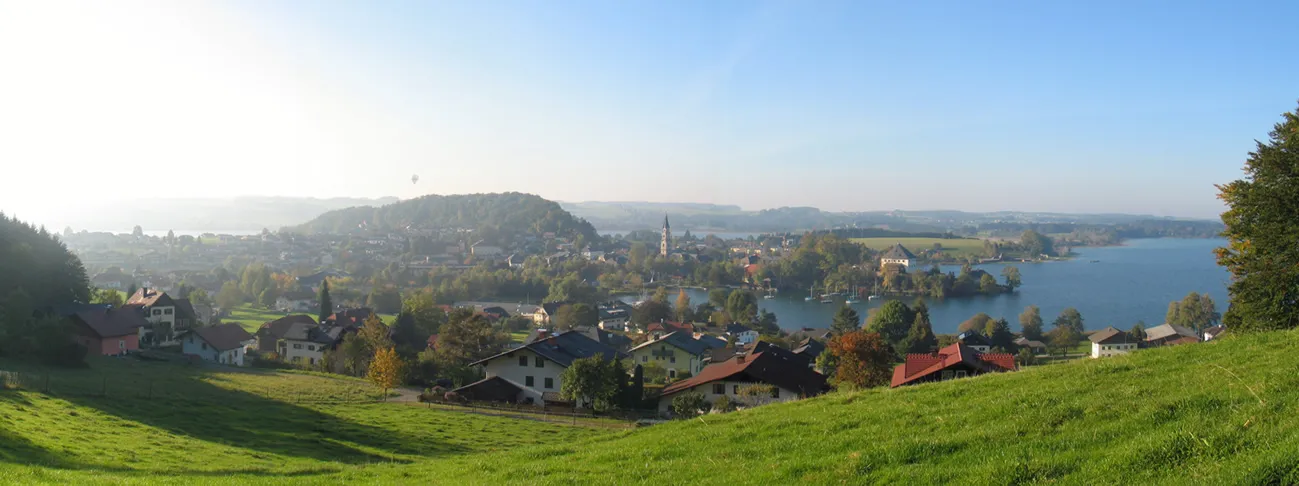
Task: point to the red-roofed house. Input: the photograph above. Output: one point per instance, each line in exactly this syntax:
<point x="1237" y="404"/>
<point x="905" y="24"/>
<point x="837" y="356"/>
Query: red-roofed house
<point x="787" y="372"/>
<point x="660" y="329"/>
<point x="955" y="361"/>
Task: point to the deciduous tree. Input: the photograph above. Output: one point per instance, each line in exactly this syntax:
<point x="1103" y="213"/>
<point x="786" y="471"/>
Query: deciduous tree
<point x="1011" y="274"/>
<point x="387" y="369"/>
<point x="688" y="404"/>
<point x="891" y="321"/>
<point x="591" y="381"/>
<point x="865" y="359"/>
<point x="683" y="307"/>
<point x="1072" y="318"/>
<point x="1030" y="323"/>
<point x="978" y="323"/>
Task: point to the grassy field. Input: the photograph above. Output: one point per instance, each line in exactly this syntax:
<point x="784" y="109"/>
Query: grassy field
<point x="251" y="318"/>
<point x="955" y="247"/>
<point x="1215" y="413"/>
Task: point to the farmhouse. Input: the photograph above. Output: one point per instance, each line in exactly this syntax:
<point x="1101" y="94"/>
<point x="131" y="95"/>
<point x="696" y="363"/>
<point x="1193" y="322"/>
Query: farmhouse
<point x="108" y="331"/>
<point x="1169" y="335"/>
<point x="678" y="352"/>
<point x="955" y="361"/>
<point x="532" y="373"/>
<point x="1112" y="342"/>
<point x="222" y="343"/>
<point x="788" y="376"/>
<point x="270" y="334"/>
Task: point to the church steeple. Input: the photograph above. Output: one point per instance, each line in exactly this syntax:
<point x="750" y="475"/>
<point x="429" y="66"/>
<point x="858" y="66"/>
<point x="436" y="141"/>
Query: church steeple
<point x="666" y="245"/>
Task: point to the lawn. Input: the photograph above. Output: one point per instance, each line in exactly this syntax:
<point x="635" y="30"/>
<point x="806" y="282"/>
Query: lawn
<point x="251" y="318"/>
<point x="958" y="248"/>
<point x="1214" y="413"/>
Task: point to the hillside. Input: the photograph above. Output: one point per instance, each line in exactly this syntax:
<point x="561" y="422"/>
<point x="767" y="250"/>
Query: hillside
<point x="1215" y="413"/>
<point x="509" y="212"/>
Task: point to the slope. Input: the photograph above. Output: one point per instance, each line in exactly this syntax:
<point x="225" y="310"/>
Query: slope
<point x="510" y="212"/>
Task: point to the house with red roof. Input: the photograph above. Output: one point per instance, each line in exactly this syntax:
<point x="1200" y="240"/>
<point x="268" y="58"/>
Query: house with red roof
<point x="788" y="375"/>
<point x="657" y="330"/>
<point x="955" y="361"/>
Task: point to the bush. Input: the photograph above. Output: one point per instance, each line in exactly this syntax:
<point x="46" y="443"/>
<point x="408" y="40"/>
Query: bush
<point x="724" y="405"/>
<point x="688" y="404"/>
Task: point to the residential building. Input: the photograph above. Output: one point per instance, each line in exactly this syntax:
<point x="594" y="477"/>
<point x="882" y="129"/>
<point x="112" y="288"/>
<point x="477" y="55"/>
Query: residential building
<point x="952" y="362"/>
<point x="1170" y="334"/>
<point x="788" y="376"/>
<point x="485" y="251"/>
<point x="897" y="255"/>
<point x="533" y="373"/>
<point x="809" y="348"/>
<point x="677" y="352"/>
<point x="297" y="301"/>
<point x="306" y="344"/>
<point x="1213" y="332"/>
<point x="222" y="343"/>
<point x="108" y="332"/>
<point x="657" y="330"/>
<point x="614" y="316"/>
<point x="1036" y="347"/>
<point x="742" y="334"/>
<point x="160" y="310"/>
<point x="1112" y="342"/>
<point x="270" y="334"/>
<point x="975" y="340"/>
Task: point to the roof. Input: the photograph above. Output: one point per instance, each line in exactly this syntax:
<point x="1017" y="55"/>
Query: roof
<point x="1215" y="330"/>
<point x="809" y="347"/>
<point x="766" y="367"/>
<point x="301" y="331"/>
<point x="224" y="336"/>
<point x="973" y="338"/>
<point x="1029" y="343"/>
<point x="186" y="308"/>
<point x="519" y="308"/>
<point x="670" y="326"/>
<point x="564" y="348"/>
<point x="898" y="252"/>
<point x="354" y="317"/>
<point x="490" y="389"/>
<point x="686" y="342"/>
<point x="616" y="341"/>
<point x="919" y="366"/>
<point x="713" y="342"/>
<point x="1182" y="340"/>
<point x="277" y="328"/>
<point x="552" y="307"/>
<point x="1111" y="335"/>
<point x="737" y="329"/>
<point x="1163" y="331"/>
<point x="149" y="297"/>
<point x="112" y="322"/>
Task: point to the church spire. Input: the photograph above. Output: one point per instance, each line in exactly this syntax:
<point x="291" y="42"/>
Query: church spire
<point x="666" y="245"/>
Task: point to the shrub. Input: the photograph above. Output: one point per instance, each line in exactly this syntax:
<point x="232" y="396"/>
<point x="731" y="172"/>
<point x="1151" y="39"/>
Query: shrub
<point x="724" y="405"/>
<point x="688" y="404"/>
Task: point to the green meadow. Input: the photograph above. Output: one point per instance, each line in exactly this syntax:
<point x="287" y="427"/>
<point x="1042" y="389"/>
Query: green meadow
<point x="1222" y="412"/>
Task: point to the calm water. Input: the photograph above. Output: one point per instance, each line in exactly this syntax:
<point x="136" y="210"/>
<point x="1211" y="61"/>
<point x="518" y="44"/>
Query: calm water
<point x="1128" y="283"/>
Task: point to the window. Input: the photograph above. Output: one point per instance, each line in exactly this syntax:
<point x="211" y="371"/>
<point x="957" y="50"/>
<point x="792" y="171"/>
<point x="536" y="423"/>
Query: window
<point x="523" y="360"/>
<point x="672" y="359"/>
<point x="528" y="381"/>
<point x="297" y="359"/>
<point x="312" y="360"/>
<point x="205" y="346"/>
<point x="672" y="373"/>
<point x="775" y="392"/>
<point x="157" y="312"/>
<point x="538" y="362"/>
<point x="311" y="347"/>
<point x="550" y="383"/>
<point x="719" y="388"/>
<point x="947" y="375"/>
<point x="297" y="346"/>
<point x="960" y="374"/>
<point x="121" y="344"/>
<point x="644" y="359"/>
<point x="167" y="311"/>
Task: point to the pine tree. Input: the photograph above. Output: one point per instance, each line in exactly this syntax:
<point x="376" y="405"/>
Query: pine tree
<point x="846" y="320"/>
<point x="326" y="305"/>
<point x="386" y="369"/>
<point x="921" y="339"/>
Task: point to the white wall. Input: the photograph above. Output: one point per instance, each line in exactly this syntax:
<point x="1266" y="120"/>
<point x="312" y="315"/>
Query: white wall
<point x="507" y="367"/>
<point x="305" y="352"/>
<point x="1104" y="350"/>
<point x="729" y="391"/>
<point x="192" y="344"/>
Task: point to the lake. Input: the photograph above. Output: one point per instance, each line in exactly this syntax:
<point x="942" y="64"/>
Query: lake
<point x="1126" y="284"/>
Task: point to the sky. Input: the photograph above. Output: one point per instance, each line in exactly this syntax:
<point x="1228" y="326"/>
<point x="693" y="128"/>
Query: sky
<point x="1099" y="106"/>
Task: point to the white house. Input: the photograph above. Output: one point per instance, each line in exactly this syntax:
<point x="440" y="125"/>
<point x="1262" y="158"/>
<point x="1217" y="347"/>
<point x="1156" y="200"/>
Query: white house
<point x="742" y="334"/>
<point x="306" y="343"/>
<point x="223" y="343"/>
<point x="898" y="255"/>
<point x="481" y="250"/>
<point x="532" y="373"/>
<point x="1112" y="342"/>
<point x="975" y="341"/>
<point x="295" y="302"/>
<point x="159" y="309"/>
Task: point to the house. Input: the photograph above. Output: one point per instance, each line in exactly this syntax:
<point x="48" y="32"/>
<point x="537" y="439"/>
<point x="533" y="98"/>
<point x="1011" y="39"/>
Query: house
<point x="485" y="251"/>
<point x="897" y="255"/>
<point x="270" y="334"/>
<point x="955" y="361"/>
<point x="159" y="309"/>
<point x="354" y="318"/>
<point x="614" y="317"/>
<point x="741" y="333"/>
<point x="1213" y="332"/>
<point x="713" y="342"/>
<point x="657" y="330"/>
<point x="532" y="373"/>
<point x="546" y="311"/>
<point x="222" y="343"/>
<point x="975" y="341"/>
<point x="186" y="316"/>
<point x="820" y="334"/>
<point x="1170" y="334"/>
<point x="613" y="340"/>
<point x="306" y="344"/>
<point x="790" y="379"/>
<point x="1036" y="347"/>
<point x="108" y="332"/>
<point x="113" y="279"/>
<point x="298" y="301"/>
<point x="1112" y="342"/>
<point x="523" y="310"/>
<point x="678" y="352"/>
<point x="809" y="348"/>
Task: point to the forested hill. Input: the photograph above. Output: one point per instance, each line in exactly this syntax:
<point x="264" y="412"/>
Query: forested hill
<point x="509" y="212"/>
<point x="37" y="268"/>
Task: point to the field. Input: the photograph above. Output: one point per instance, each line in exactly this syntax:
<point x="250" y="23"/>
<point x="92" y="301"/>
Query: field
<point x="959" y="248"/>
<point x="1213" y="413"/>
<point x="251" y="318"/>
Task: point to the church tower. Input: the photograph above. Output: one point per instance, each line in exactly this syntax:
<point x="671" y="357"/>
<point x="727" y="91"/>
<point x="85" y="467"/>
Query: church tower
<point x="666" y="245"/>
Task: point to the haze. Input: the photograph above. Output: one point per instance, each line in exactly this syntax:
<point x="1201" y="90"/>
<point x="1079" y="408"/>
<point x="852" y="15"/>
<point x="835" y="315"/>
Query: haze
<point x="1135" y="107"/>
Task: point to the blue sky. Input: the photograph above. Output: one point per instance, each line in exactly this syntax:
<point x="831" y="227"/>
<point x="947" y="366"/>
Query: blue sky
<point x="1136" y="106"/>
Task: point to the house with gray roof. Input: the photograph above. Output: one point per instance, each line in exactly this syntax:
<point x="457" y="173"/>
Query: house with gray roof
<point x="897" y="255"/>
<point x="532" y="373"/>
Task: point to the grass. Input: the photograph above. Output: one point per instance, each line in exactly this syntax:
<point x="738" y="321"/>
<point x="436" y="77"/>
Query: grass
<point x="251" y="318"/>
<point x="518" y="337"/>
<point x="956" y="247"/>
<point x="1221" y="412"/>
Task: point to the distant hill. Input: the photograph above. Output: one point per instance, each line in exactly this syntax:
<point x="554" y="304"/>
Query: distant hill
<point x="510" y="212"/>
<point x="207" y="214"/>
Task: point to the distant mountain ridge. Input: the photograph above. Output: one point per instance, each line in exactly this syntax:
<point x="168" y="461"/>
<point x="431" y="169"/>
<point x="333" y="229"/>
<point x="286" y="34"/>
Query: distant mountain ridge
<point x="245" y="213"/>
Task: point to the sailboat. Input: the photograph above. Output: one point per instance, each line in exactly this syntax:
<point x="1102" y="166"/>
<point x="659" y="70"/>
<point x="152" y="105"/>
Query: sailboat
<point x="874" y="293"/>
<point x="852" y="297"/>
<point x="811" y="292"/>
<point x="769" y="295"/>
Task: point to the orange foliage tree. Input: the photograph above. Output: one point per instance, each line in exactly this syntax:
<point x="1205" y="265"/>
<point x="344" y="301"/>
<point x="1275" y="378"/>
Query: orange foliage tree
<point x="864" y="359"/>
<point x="386" y="369"/>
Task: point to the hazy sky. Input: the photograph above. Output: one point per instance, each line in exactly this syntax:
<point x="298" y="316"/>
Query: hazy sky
<point x="1124" y="106"/>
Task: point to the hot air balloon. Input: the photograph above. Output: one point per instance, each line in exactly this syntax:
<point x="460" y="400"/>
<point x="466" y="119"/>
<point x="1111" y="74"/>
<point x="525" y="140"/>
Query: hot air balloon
<point x="414" y="178"/>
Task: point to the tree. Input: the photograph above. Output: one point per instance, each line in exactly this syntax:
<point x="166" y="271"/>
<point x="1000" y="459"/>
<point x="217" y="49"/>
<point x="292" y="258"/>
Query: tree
<point x="998" y="332"/>
<point x="1262" y="220"/>
<point x="1035" y="244"/>
<point x="688" y="404"/>
<point x="1072" y="318"/>
<point x="468" y="337"/>
<point x="978" y="323"/>
<point x="384" y="300"/>
<point x="137" y="231"/>
<point x="846" y="320"/>
<point x="1195" y="311"/>
<point x="742" y="305"/>
<point x="576" y="315"/>
<point x="130" y="290"/>
<point x="386" y="370"/>
<point x="375" y="333"/>
<point x="406" y="336"/>
<point x="757" y="394"/>
<point x="354" y="353"/>
<point x="650" y="311"/>
<point x="988" y="284"/>
<point x="1026" y="357"/>
<point x="1011" y="274"/>
<point x="1138" y="331"/>
<point x="326" y="305"/>
<point x="1030" y="323"/>
<point x="267" y="298"/>
<point x="107" y="296"/>
<point x="591" y="381"/>
<point x="920" y="338"/>
<point x="683" y="306"/>
<point x="230" y="296"/>
<point x="1064" y="338"/>
<point x="865" y="359"/>
<point x="717" y="297"/>
<point x="891" y="321"/>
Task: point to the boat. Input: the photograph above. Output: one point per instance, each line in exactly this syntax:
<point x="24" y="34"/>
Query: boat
<point x="827" y="301"/>
<point x="768" y="296"/>
<point x="852" y="297"/>
<point x="810" y="293"/>
<point x="872" y="297"/>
